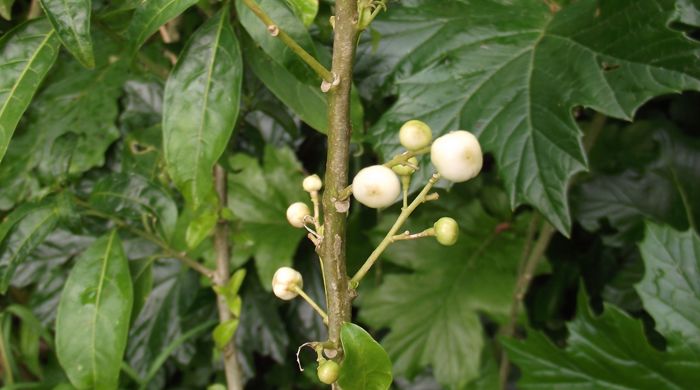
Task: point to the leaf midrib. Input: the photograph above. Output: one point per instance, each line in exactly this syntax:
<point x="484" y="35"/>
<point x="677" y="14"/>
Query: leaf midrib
<point x="103" y="271"/>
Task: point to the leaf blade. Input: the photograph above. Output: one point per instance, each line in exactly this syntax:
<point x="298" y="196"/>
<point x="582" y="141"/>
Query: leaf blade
<point x="150" y="15"/>
<point x="71" y="20"/>
<point x="366" y="364"/>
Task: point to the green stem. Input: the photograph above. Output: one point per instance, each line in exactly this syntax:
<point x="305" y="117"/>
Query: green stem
<point x="131" y="373"/>
<point x="6" y="364"/>
<point x="312" y="303"/>
<point x="388" y="239"/>
<point x="276" y="31"/>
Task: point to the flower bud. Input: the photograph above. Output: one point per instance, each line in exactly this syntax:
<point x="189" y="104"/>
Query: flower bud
<point x="376" y="186"/>
<point x="296" y="212"/>
<point x="312" y="183"/>
<point x="457" y="156"/>
<point x="446" y="231"/>
<point x="415" y="135"/>
<point x="284" y="281"/>
<point x="405" y="170"/>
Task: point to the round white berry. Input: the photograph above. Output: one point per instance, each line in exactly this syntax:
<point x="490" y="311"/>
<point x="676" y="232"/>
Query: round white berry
<point x="376" y="186"/>
<point x="415" y="135"/>
<point x="312" y="183"/>
<point x="457" y="156"/>
<point x="284" y="281"/>
<point x="296" y="212"/>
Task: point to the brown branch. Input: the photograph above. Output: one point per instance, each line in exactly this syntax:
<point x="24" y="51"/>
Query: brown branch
<point x="232" y="369"/>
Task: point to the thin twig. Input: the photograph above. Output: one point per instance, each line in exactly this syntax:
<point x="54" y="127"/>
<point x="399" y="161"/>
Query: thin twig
<point x="312" y="303"/>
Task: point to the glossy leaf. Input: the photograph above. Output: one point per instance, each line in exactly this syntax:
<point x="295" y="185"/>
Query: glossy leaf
<point x="670" y="289"/>
<point x="96" y="300"/>
<point x="366" y="365"/>
<point x="512" y="72"/>
<point x="201" y="106"/>
<point x="306" y="10"/>
<point x="150" y="15"/>
<point x="135" y="198"/>
<point x="259" y="197"/>
<point x="71" y="20"/>
<point x="26" y="55"/>
<point x="606" y="351"/>
<point x="433" y="312"/>
<point x="21" y="232"/>
<point x="6" y="9"/>
<point x="224" y="332"/>
<point x="142" y="279"/>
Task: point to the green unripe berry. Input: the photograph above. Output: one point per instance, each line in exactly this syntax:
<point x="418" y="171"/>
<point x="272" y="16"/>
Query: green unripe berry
<point x="415" y="135"/>
<point x="405" y="170"/>
<point x="328" y="372"/>
<point x="446" y="231"/>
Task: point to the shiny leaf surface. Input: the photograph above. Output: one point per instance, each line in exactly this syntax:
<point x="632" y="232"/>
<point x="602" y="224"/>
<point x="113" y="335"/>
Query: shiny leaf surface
<point x="366" y="365"/>
<point x="71" y="21"/>
<point x="152" y="14"/>
<point x="306" y="10"/>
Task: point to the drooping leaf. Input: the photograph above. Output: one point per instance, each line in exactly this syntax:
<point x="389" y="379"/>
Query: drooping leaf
<point x="670" y="289"/>
<point x="259" y="197"/>
<point x="306" y="10"/>
<point x="71" y="20"/>
<point x="201" y="106"/>
<point x="93" y="316"/>
<point x="136" y="199"/>
<point x="22" y="231"/>
<point x="512" y="72"/>
<point x="150" y="15"/>
<point x="366" y="365"/>
<point x="6" y="9"/>
<point x="607" y="351"/>
<point x="26" y="55"/>
<point x="433" y="312"/>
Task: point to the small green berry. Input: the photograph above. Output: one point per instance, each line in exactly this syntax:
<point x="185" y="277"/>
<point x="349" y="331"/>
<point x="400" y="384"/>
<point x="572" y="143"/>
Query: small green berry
<point x="328" y="372"/>
<point x="406" y="170"/>
<point x="446" y="231"/>
<point x="415" y="135"/>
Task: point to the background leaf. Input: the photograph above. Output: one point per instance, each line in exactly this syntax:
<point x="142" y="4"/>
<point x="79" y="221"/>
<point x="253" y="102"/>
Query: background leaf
<point x="93" y="317"/>
<point x="6" y="9"/>
<point x="201" y="106"/>
<point x="26" y="54"/>
<point x="152" y="14"/>
<point x="71" y="20"/>
<point x="365" y="363"/>
<point x="305" y="9"/>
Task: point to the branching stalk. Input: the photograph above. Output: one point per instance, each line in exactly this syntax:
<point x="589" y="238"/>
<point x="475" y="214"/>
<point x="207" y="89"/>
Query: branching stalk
<point x="312" y="303"/>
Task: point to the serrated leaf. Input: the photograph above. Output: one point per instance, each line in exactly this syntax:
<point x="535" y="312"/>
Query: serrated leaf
<point x="135" y="198"/>
<point x="606" y="351"/>
<point x="259" y="197"/>
<point x="670" y="290"/>
<point x="6" y="9"/>
<point x="26" y="55"/>
<point x="71" y="20"/>
<point x="513" y="72"/>
<point x="21" y="232"/>
<point x="96" y="300"/>
<point x="366" y="365"/>
<point x="306" y="10"/>
<point x="433" y="312"/>
<point x="150" y="15"/>
<point x="201" y="106"/>
<point x="224" y="332"/>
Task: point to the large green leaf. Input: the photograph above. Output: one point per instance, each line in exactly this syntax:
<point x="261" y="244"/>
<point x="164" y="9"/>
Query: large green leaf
<point x="306" y="10"/>
<point x="26" y="55"/>
<point x="137" y="199"/>
<point x="201" y="106"/>
<point x="150" y="15"/>
<point x="259" y="197"/>
<point x="609" y="351"/>
<point x="71" y="20"/>
<point x="513" y="71"/>
<point x="366" y="366"/>
<point x="22" y="231"/>
<point x="670" y="289"/>
<point x="433" y="312"/>
<point x="93" y="315"/>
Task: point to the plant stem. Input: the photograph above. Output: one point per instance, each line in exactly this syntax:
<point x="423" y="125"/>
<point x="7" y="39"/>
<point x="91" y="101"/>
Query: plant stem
<point x="332" y="249"/>
<point x="234" y="378"/>
<point x="4" y="355"/>
<point x="312" y="303"/>
<point x="389" y="238"/>
<point x="276" y="31"/>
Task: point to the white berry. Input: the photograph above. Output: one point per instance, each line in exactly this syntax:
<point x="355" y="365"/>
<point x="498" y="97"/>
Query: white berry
<point x="415" y="135"/>
<point x="284" y="282"/>
<point x="457" y="156"/>
<point x="376" y="186"/>
<point x="312" y="183"/>
<point x="296" y="212"/>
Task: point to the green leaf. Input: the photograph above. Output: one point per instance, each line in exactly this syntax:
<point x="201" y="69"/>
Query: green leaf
<point x="306" y="10"/>
<point x="150" y="15"/>
<point x="71" y="20"/>
<point x="366" y="366"/>
<point x="259" y="197"/>
<point x="230" y="291"/>
<point x="513" y="71"/>
<point x="142" y="276"/>
<point x="223" y="333"/>
<point x="135" y="198"/>
<point x="669" y="290"/>
<point x="96" y="300"/>
<point x="6" y="9"/>
<point x="26" y="55"/>
<point x="609" y="351"/>
<point x="29" y="333"/>
<point x="22" y="231"/>
<point x="434" y="312"/>
<point x="202" y="224"/>
<point x="201" y="106"/>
